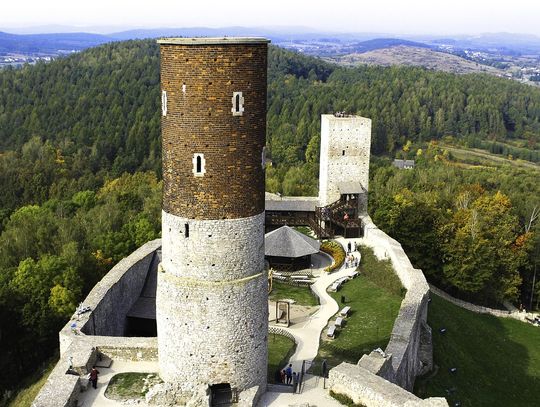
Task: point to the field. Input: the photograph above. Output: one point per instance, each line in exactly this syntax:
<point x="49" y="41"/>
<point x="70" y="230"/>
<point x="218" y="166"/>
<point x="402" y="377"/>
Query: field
<point x="497" y="359"/>
<point x="473" y="156"/>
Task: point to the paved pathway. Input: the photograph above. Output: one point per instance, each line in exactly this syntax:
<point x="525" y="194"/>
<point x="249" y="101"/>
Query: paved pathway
<point x="312" y="393"/>
<point x="307" y="334"/>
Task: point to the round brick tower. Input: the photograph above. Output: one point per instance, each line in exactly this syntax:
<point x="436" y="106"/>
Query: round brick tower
<point x="211" y="306"/>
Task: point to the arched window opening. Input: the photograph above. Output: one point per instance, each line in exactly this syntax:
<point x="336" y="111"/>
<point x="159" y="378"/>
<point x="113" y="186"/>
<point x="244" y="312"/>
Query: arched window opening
<point x="237" y="104"/>
<point x="199" y="164"/>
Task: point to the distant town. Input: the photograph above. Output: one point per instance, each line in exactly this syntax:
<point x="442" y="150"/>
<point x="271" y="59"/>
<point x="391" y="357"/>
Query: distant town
<point x="19" y="59"/>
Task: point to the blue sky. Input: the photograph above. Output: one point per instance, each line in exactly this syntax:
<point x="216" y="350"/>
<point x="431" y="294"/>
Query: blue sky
<point x="390" y="16"/>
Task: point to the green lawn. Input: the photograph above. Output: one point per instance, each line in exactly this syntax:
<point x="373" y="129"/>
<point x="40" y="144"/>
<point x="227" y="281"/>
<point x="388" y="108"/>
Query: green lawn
<point x="497" y="359"/>
<point x="131" y="385"/>
<point x="280" y="349"/>
<point x="374" y="298"/>
<point x="302" y="295"/>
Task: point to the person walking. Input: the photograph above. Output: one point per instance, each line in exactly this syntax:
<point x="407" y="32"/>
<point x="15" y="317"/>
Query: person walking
<point x="94" y="376"/>
<point x="288" y="373"/>
<point x="349" y="247"/>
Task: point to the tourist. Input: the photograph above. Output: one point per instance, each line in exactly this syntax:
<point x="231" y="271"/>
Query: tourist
<point x="93" y="376"/>
<point x="324" y="367"/>
<point x="282" y="376"/>
<point x="349" y="247"/>
<point x="289" y="372"/>
<point x="295" y="381"/>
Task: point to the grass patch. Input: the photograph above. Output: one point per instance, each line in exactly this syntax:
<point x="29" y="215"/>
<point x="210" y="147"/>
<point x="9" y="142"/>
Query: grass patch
<point x="31" y="386"/>
<point x="280" y="350"/>
<point x="375" y="300"/>
<point x="305" y="231"/>
<point x="345" y="400"/>
<point x="302" y="295"/>
<point x="497" y="359"/>
<point x="131" y="385"/>
<point x="380" y="272"/>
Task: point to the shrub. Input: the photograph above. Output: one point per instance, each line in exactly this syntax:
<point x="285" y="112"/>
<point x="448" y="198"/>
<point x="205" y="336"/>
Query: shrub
<point x="336" y="251"/>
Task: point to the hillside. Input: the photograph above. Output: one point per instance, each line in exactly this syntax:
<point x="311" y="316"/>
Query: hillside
<point x="406" y="55"/>
<point x="512" y="348"/>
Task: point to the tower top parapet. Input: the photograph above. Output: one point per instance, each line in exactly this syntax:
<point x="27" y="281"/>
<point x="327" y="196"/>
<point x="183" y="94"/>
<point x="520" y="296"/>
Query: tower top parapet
<point x="212" y="40"/>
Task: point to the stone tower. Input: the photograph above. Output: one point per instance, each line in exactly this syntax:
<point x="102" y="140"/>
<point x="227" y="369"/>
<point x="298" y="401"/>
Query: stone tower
<point x="345" y="148"/>
<point x="211" y="306"/>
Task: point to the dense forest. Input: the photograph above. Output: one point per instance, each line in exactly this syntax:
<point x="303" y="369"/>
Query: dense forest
<point x="80" y="175"/>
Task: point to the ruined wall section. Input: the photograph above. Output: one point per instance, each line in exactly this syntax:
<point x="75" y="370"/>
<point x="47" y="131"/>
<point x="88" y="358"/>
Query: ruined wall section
<point x="410" y="341"/>
<point x="386" y="380"/>
<point x="367" y="389"/>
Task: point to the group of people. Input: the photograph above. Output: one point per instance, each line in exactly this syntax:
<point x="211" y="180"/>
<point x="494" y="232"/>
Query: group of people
<point x="351" y="261"/>
<point x="288" y="377"/>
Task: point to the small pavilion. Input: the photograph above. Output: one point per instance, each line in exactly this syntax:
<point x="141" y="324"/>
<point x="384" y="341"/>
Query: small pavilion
<point x="287" y="249"/>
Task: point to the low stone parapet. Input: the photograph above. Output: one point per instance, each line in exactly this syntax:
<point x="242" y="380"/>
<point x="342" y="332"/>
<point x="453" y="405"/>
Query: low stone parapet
<point x="367" y="389"/>
<point x="478" y="308"/>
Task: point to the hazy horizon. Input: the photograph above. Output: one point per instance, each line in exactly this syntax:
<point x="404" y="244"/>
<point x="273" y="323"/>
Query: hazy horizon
<point x="415" y="17"/>
<point x="108" y="30"/>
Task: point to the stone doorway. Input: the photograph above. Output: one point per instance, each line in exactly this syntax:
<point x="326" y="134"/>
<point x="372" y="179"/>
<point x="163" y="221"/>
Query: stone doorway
<point x="222" y="395"/>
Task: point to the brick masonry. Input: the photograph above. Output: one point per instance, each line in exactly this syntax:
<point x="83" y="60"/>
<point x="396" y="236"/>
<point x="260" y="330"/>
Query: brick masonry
<point x="200" y="81"/>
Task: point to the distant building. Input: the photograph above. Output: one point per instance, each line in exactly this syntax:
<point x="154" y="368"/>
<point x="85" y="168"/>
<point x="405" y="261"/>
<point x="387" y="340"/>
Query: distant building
<point x="403" y="164"/>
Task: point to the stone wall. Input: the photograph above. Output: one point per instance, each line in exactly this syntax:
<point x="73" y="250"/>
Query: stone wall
<point x="111" y="298"/>
<point x="410" y="326"/>
<point x="478" y="308"/>
<point x="109" y="301"/>
<point x="384" y="380"/>
<point x="367" y="389"/>
<point x="211" y="304"/>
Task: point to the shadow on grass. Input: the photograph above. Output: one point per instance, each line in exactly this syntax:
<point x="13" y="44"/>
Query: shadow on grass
<point x="497" y="360"/>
